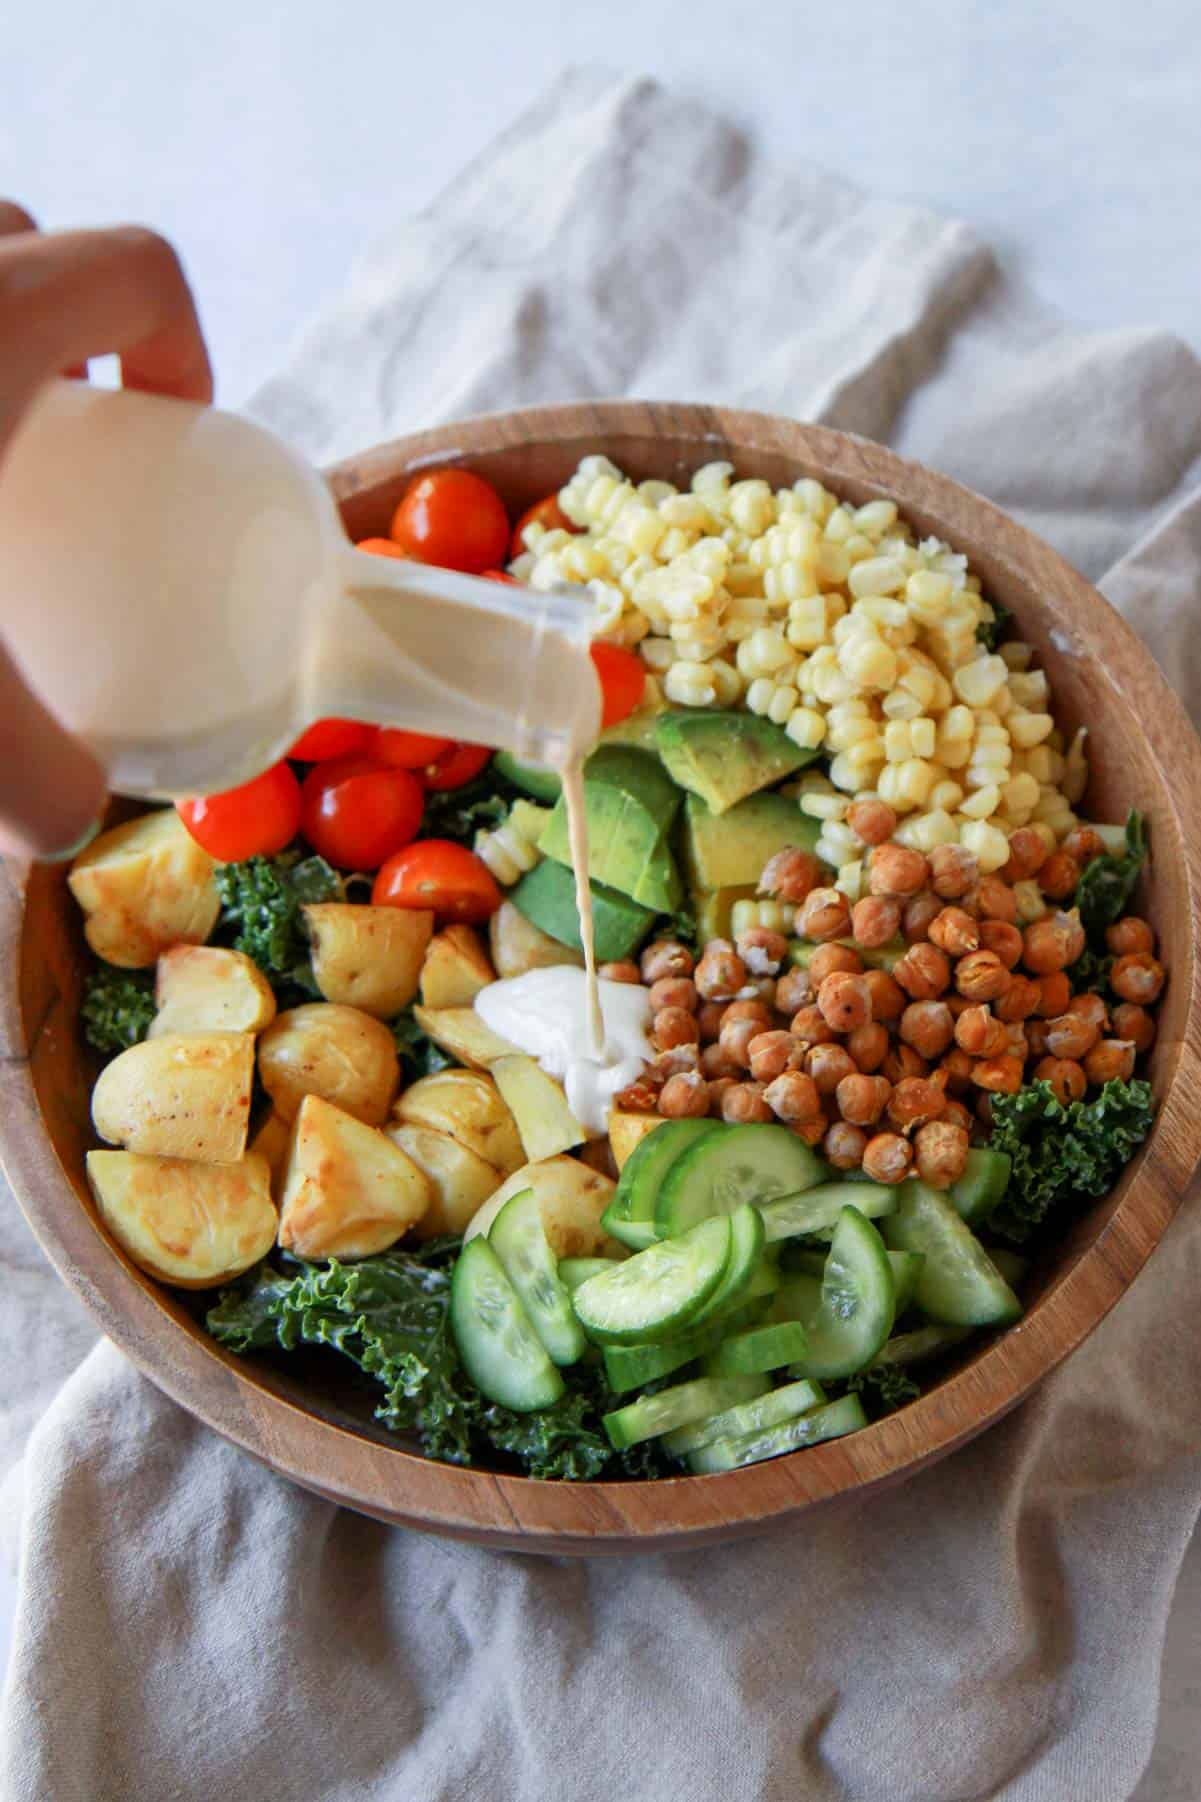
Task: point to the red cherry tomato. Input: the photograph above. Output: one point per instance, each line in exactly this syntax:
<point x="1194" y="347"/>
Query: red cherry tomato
<point x="622" y="680"/>
<point x="407" y="750"/>
<point x="462" y="763"/>
<point x="546" y="512"/>
<point x="355" y="813"/>
<point x="437" y="873"/>
<point x="380" y="547"/>
<point x="453" y="518"/>
<point x="255" y="820"/>
<point x="500" y="575"/>
<point x="331" y="738"/>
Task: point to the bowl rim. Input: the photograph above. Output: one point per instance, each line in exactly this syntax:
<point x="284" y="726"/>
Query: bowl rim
<point x="393" y="1484"/>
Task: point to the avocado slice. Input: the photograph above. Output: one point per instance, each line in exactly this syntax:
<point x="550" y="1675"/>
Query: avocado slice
<point x="636" y="732"/>
<point x="723" y="757"/>
<point x="638" y="774"/>
<point x="637" y="729"/>
<point x="546" y="896"/>
<point x="532" y="778"/>
<point x="729" y="850"/>
<point x="627" y="849"/>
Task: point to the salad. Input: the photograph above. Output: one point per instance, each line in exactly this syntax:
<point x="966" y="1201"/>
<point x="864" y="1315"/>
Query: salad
<point x="874" y="997"/>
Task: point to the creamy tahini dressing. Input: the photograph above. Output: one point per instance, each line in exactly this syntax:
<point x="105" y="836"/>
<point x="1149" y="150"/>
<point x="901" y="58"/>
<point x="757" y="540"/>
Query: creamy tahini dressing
<point x="542" y="1013"/>
<point x="577" y="839"/>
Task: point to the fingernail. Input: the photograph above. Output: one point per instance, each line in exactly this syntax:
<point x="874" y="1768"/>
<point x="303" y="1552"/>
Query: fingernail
<point x="81" y="843"/>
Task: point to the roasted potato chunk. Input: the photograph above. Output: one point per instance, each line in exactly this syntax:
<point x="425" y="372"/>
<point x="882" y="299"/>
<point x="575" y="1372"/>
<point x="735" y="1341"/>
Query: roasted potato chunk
<point x="144" y="887"/>
<point x="339" y="1053"/>
<point x="539" y="1106"/>
<point x="194" y="1225"/>
<point x="368" y="957"/>
<point x="348" y="1189"/>
<point x="571" y="1200"/>
<point x="518" y="945"/>
<point x="627" y="1131"/>
<point x="462" y="1034"/>
<point x="201" y="988"/>
<point x="470" y="1107"/>
<point x="186" y="1095"/>
<point x="271" y="1142"/>
<point x="460" y="1182"/>
<point x="456" y="968"/>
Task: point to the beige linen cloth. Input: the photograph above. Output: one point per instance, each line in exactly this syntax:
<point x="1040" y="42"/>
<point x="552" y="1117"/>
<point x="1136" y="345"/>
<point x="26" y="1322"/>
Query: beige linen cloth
<point x="189" y="1626"/>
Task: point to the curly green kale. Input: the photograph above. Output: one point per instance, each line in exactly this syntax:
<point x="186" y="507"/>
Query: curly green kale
<point x="883" y="1388"/>
<point x="261" y="902"/>
<point x="118" y="1006"/>
<point x="419" y="1055"/>
<point x="1090" y="972"/>
<point x="1062" y="1153"/>
<point x="1107" y="883"/>
<point x="990" y="632"/>
<point x="459" y="813"/>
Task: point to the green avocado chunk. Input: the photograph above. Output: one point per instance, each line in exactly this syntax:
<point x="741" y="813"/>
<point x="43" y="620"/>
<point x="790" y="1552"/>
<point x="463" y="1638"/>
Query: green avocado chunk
<point x="729" y="850"/>
<point x="723" y="757"/>
<point x="546" y="896"/>
<point x="630" y="803"/>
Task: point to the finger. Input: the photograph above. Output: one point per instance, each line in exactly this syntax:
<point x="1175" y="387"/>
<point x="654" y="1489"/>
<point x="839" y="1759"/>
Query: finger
<point x="52" y="788"/>
<point x="14" y="218"/>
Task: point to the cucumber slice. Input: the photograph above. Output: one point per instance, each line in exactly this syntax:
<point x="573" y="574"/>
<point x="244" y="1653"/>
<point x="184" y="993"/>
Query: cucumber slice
<point x="760" y="1348"/>
<point x="634" y="1366"/>
<point x="906" y="1268"/>
<point x="858" y="1303"/>
<point x="1012" y="1265"/>
<point x="797" y="1299"/>
<point x="574" y="1271"/>
<point x="770" y="1410"/>
<point x="982" y="1186"/>
<point x="922" y="1343"/>
<point x="630" y="1215"/>
<point x="658" y="1291"/>
<point x="831" y="1422"/>
<point x="652" y="1415"/>
<point x="635" y="1235"/>
<point x="517" y="1238"/>
<point x="501" y="1352"/>
<point x="746" y="1249"/>
<point x="818" y="1210"/>
<point x="728" y="1166"/>
<point x="959" y="1284"/>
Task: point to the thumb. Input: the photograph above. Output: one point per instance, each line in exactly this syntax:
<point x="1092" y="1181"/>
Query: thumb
<point x="52" y="788"/>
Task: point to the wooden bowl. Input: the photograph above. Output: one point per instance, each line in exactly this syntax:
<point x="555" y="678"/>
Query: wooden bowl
<point x="299" y="1420"/>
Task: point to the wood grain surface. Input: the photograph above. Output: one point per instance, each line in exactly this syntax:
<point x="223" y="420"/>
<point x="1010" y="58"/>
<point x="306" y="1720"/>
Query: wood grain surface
<point x="1144" y="754"/>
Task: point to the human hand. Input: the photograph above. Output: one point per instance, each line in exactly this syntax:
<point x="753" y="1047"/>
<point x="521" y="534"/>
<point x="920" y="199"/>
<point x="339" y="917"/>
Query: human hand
<point x="65" y="297"/>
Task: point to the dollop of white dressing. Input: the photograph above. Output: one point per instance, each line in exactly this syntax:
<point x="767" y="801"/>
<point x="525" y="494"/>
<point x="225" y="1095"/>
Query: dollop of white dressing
<point x="544" y="1013"/>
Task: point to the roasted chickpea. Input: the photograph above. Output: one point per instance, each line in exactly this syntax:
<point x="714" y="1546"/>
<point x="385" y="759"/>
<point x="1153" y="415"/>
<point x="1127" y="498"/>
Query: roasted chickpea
<point x="810" y="1026"/>
<point x="674" y="1026"/>
<point x="794" y="990"/>
<point x="825" y="914"/>
<point x="980" y="1034"/>
<point x="957" y="1003"/>
<point x="744" y="1103"/>
<point x="793" y="1097"/>
<point x="1036" y="1036"/>
<point x="717" y="1091"/>
<point x="924" y="972"/>
<point x="992" y="899"/>
<point x="914" y="1100"/>
<point x="1138" y="977"/>
<point x="1055" y="993"/>
<point x="1067" y="1079"/>
<point x="1083" y="844"/>
<point x="1019" y="1001"/>
<point x="1003" y="939"/>
<point x="642" y="1095"/>
<point x="709" y="1019"/>
<point x="903" y="1061"/>
<point x="1053" y="943"/>
<point x="958" y="1115"/>
<point x="953" y="871"/>
<point x="887" y="1157"/>
<point x="1091" y="1007"/>
<point x="919" y="916"/>
<point x="940" y="1151"/>
<point x="674" y="991"/>
<point x="954" y="931"/>
<point x="684" y="1097"/>
<point x="761" y="950"/>
<point x="872" y="822"/>
<point x="827" y="1065"/>
<point x="868" y="1046"/>
<point x="1110" y="1060"/>
<point x="844" y="1145"/>
<point x="956" y="1066"/>
<point x="812" y="1131"/>
<point x="681" y="1057"/>
<point x="771" y="1053"/>
<point x="1016" y="1044"/>
<point x="752" y="1007"/>
<point x="875" y="921"/>
<point x="831" y="960"/>
<point x="887" y="996"/>
<point x="735" y="1039"/>
<point x="790" y="874"/>
<point x="1059" y="875"/>
<point x="897" y="870"/>
<point x="1129" y="934"/>
<point x="1134" y="1024"/>
<point x="999" y="1075"/>
<point x="862" y="1099"/>
<point x="716" y="1062"/>
<point x="720" y="973"/>
<point x="845" y="1001"/>
<point x="1027" y="855"/>
<point x="622" y="972"/>
<point x="1071" y="1035"/>
<point x="928" y="1027"/>
<point x="981" y="976"/>
<point x="666" y="957"/>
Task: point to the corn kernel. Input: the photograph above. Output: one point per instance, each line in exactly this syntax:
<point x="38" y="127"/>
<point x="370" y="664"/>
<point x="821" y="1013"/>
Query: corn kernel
<point x="915" y="779"/>
<point x="922" y="736"/>
<point x="1020" y="793"/>
<point x="1029" y="688"/>
<point x="1029" y="729"/>
<point x="727" y="683"/>
<point x="1030" y="902"/>
<point x="988" y="844"/>
<point x="983" y="804"/>
<point x="875" y="575"/>
<point x="690" y="685"/>
<point x="978" y="681"/>
<point x="658" y="654"/>
<point x="807" y="622"/>
<point x="898" y="704"/>
<point x="1075" y="769"/>
<point x="829" y="805"/>
<point x="850" y="880"/>
<point x="832" y="564"/>
<point x="1015" y="654"/>
<point x="783" y="704"/>
<point x="869" y="662"/>
<point x="806" y="728"/>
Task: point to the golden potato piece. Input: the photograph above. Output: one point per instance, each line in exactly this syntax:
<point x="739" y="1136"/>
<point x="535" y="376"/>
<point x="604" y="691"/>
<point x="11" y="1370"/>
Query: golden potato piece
<point x="271" y="1141"/>
<point x="598" y="1155"/>
<point x="518" y="945"/>
<point x="627" y="1131"/>
<point x="186" y="1095"/>
<point x="462" y="1034"/>
<point x="460" y="1182"/>
<point x="469" y="1107"/>
<point x="456" y="968"/>
<point x="144" y="887"/>
<point x="339" y="1053"/>
<point x="571" y="1200"/>
<point x="539" y="1106"/>
<point x="368" y="957"/>
<point x="201" y="988"/>
<point x="194" y="1225"/>
<point x="348" y="1190"/>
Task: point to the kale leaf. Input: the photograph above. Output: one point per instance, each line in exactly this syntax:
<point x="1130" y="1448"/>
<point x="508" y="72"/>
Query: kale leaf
<point x="1090" y="972"/>
<point x="118" y="1006"/>
<point x="1062" y="1153"/>
<point x="990" y="632"/>
<point x="459" y="813"/>
<point x="883" y="1388"/>
<point x="419" y="1055"/>
<point x="683" y="927"/>
<point x="261" y="902"/>
<point x="1107" y="883"/>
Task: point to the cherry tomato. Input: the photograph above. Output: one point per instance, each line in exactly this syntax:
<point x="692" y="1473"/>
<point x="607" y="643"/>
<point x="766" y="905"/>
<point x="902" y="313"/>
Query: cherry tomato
<point x="254" y="820"/>
<point x="407" y="750"/>
<point x="331" y="738"/>
<point x="453" y="518"/>
<point x="546" y="512"/>
<point x="437" y="873"/>
<point x="355" y="813"/>
<point x="500" y="575"/>
<point x="622" y="680"/>
<point x="455" y="767"/>
<point x="380" y="547"/>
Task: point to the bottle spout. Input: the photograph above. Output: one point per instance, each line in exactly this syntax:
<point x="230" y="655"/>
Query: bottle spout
<point x="441" y="652"/>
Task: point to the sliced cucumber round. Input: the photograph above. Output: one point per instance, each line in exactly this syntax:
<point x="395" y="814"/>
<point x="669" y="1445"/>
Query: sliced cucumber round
<point x="652" y="1415"/>
<point x="982" y="1186"/>
<point x="818" y="1209"/>
<point x="501" y="1352"/>
<point x="906" y="1268"/>
<point x="630" y="1216"/>
<point x="831" y="1422"/>
<point x="858" y="1301"/>
<point x="922" y="1343"/>
<point x="658" y="1291"/>
<point x="634" y="1366"/>
<point x="759" y="1348"/>
<point x="797" y="1299"/>
<point x="746" y="1249"/>
<point x="959" y="1284"/>
<point x="518" y="1239"/>
<point x="770" y="1410"/>
<point x="574" y="1271"/>
<point x="729" y="1166"/>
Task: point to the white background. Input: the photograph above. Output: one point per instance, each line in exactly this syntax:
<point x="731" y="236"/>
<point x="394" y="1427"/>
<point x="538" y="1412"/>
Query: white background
<point x="271" y="142"/>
